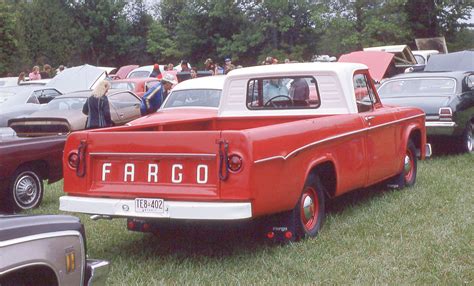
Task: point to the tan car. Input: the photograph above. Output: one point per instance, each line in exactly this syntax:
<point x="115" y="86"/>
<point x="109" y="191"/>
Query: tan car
<point x="64" y="114"/>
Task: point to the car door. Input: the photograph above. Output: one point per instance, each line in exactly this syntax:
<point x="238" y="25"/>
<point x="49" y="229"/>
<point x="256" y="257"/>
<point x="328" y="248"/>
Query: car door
<point x="124" y="107"/>
<point x="381" y="131"/>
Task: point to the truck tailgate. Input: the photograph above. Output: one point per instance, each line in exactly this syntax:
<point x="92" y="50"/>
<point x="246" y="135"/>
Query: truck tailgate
<point x="168" y="165"/>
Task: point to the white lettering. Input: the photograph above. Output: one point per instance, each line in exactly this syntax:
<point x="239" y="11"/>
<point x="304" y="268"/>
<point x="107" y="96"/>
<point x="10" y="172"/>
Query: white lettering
<point x="199" y="170"/>
<point x="129" y="170"/>
<point x="105" y="170"/>
<point x="173" y="174"/>
<point x="153" y="172"/>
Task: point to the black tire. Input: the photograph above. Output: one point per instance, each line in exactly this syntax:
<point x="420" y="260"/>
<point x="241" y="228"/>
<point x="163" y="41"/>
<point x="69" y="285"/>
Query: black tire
<point x="310" y="209"/>
<point x="25" y="190"/>
<point x="466" y="141"/>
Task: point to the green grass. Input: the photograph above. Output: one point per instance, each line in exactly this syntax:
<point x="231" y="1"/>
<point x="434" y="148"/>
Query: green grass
<point x="423" y="235"/>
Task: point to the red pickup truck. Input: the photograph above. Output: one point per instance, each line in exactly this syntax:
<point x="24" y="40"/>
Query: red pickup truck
<point x="284" y="140"/>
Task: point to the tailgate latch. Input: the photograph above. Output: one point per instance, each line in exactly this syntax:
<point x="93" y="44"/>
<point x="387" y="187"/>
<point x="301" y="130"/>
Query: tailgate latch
<point x="223" y="160"/>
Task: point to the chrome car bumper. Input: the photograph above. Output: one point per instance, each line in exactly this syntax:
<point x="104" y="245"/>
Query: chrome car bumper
<point x="440" y="127"/>
<point x="98" y="271"/>
<point x="172" y="209"/>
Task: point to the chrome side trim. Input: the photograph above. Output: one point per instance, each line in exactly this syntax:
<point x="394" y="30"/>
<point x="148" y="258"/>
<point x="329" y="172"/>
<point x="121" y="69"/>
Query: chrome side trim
<point x="440" y="124"/>
<point x="333" y="138"/>
<point x="99" y="269"/>
<point x="172" y="209"/>
<point x="152" y="154"/>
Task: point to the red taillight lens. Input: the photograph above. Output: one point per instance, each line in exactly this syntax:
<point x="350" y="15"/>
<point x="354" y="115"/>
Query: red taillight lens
<point x="73" y="160"/>
<point x="288" y="235"/>
<point x="445" y="113"/>
<point x="270" y="235"/>
<point x="235" y="162"/>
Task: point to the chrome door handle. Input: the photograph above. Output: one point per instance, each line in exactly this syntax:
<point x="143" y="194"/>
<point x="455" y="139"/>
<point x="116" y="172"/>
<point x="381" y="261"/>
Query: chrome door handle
<point x="368" y="118"/>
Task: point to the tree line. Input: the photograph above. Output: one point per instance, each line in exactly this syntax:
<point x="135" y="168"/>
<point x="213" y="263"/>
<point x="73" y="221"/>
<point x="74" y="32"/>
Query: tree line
<point x="120" y="32"/>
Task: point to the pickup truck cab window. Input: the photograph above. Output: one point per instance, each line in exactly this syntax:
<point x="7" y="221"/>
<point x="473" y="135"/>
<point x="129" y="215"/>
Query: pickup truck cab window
<point x="364" y="93"/>
<point x="283" y="93"/>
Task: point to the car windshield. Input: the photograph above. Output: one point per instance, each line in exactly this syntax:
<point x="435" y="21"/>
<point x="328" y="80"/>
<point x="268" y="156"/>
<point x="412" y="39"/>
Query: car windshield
<point x="123" y="85"/>
<point x="194" y="97"/>
<point x="418" y="86"/>
<point x="137" y="74"/>
<point x="67" y="103"/>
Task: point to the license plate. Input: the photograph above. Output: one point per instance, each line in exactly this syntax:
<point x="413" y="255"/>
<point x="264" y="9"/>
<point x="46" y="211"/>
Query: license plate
<point x="149" y="205"/>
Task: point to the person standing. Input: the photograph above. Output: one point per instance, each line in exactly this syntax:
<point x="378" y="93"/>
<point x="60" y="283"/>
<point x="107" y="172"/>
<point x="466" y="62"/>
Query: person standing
<point x="46" y="73"/>
<point x="97" y="107"/>
<point x="228" y="65"/>
<point x="155" y="96"/>
<point x="210" y="66"/>
<point x="156" y="72"/>
<point x="35" y="73"/>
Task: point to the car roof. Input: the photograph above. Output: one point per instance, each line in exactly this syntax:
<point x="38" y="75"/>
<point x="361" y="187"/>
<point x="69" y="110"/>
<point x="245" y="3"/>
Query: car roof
<point x="207" y="82"/>
<point x="458" y="75"/>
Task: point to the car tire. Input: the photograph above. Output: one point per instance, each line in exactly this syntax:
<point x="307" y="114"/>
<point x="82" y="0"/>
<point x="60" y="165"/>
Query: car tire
<point x="466" y="141"/>
<point x="25" y="190"/>
<point x="410" y="165"/>
<point x="310" y="209"/>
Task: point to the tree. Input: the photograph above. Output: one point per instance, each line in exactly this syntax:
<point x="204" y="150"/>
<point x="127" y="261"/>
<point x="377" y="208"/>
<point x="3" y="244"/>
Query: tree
<point x="9" y="44"/>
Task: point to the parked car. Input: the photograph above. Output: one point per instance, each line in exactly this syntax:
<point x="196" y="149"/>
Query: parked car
<point x="64" y="114"/>
<point x="194" y="98"/>
<point x="422" y="56"/>
<point x="45" y="250"/>
<point x="458" y="61"/>
<point x="123" y="72"/>
<point x="8" y="81"/>
<point x="23" y="100"/>
<point x="143" y="71"/>
<point x="270" y="151"/>
<point x="24" y="164"/>
<point x="138" y="85"/>
<point x="447" y="98"/>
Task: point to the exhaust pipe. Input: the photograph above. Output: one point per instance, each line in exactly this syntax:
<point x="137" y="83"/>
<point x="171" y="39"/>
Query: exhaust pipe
<point x="97" y="217"/>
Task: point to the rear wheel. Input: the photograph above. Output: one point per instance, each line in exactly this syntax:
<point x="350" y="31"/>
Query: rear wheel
<point x="466" y="141"/>
<point x="309" y="211"/>
<point x="26" y="189"/>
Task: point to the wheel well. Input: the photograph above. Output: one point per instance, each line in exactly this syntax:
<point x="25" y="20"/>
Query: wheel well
<point x="327" y="174"/>
<point x="31" y="275"/>
<point x="415" y="137"/>
<point x="40" y="166"/>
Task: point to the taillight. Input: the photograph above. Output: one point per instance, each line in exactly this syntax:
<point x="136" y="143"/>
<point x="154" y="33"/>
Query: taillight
<point x="234" y="162"/>
<point x="445" y="113"/>
<point x="73" y="160"/>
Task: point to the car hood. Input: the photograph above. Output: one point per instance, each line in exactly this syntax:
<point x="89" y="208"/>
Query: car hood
<point x="77" y="78"/>
<point x="429" y="104"/>
<point x="175" y="115"/>
<point x="377" y="62"/>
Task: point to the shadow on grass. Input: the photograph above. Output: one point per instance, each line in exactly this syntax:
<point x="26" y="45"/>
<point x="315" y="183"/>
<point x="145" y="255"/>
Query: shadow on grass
<point x="217" y="240"/>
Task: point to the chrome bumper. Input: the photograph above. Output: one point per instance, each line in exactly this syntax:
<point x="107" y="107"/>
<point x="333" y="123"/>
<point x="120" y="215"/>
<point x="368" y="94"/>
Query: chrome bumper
<point x="440" y="127"/>
<point x="98" y="271"/>
<point x="172" y="209"/>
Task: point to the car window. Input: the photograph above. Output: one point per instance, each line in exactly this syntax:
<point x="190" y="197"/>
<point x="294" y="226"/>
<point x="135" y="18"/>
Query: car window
<point x="364" y="93"/>
<point x="32" y="99"/>
<point x="66" y="103"/>
<point x="123" y="85"/>
<point x="150" y="84"/>
<point x="283" y="93"/>
<point x="194" y="97"/>
<point x="137" y="74"/>
<point x="417" y="86"/>
<point x="123" y="97"/>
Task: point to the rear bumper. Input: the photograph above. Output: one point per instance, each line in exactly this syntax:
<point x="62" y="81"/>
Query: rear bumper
<point x="173" y="209"/>
<point x="440" y="128"/>
<point x="97" y="271"/>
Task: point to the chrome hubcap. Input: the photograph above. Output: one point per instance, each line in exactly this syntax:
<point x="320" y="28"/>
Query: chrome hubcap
<point x="308" y="208"/>
<point x="407" y="165"/>
<point x="26" y="190"/>
<point x="469" y="143"/>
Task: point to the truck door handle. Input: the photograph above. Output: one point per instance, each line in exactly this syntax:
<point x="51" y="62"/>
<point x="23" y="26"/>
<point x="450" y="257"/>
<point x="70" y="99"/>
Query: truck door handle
<point x="368" y="118"/>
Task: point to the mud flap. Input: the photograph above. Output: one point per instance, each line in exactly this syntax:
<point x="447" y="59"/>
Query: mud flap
<point x="280" y="227"/>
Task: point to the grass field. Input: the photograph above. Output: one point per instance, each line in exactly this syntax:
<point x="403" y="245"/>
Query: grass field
<point x="418" y="236"/>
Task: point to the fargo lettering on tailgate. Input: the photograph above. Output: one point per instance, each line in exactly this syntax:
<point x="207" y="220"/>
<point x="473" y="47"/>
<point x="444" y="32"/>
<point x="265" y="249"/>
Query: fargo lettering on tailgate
<point x="154" y="173"/>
